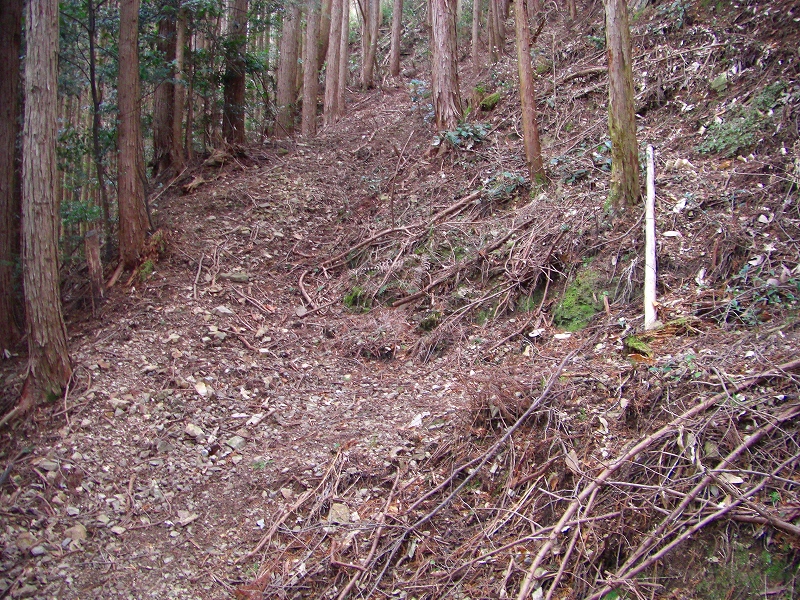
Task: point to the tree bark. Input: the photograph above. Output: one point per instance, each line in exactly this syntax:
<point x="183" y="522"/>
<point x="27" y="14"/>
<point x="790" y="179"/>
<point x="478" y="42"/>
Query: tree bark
<point x="310" y="71"/>
<point x="164" y="99"/>
<point x="100" y="169"/>
<point x="332" y="69"/>
<point x="621" y="112"/>
<point x="234" y="78"/>
<point x="444" y="67"/>
<point x="10" y="45"/>
<point x="476" y="33"/>
<point x="49" y="368"/>
<point x="527" y="93"/>
<point x="372" y="17"/>
<point x="130" y="194"/>
<point x="287" y="72"/>
<point x="344" y="56"/>
<point x="324" y="33"/>
<point x="397" y="29"/>
<point x="573" y="9"/>
<point x="177" y="152"/>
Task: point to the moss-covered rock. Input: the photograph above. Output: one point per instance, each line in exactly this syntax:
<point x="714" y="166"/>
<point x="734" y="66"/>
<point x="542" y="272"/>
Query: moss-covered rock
<point x="490" y="101"/>
<point x="582" y="300"/>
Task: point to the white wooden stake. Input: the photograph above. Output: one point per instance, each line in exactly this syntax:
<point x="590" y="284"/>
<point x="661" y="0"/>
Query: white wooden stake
<point x="650" y="244"/>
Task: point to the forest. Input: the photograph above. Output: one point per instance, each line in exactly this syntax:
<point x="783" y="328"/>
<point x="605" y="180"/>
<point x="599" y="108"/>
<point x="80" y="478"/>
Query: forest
<point x="399" y="299"/>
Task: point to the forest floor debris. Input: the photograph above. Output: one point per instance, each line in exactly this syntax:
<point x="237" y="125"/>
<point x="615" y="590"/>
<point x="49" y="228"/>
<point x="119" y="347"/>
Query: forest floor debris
<point x="340" y="376"/>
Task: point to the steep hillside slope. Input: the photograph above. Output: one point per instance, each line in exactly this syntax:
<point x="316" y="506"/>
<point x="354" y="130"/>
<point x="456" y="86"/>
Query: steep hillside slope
<point x="379" y="364"/>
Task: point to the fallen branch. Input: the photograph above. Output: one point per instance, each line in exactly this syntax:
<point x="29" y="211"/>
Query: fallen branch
<point x="478" y="462"/>
<point x="626" y="456"/>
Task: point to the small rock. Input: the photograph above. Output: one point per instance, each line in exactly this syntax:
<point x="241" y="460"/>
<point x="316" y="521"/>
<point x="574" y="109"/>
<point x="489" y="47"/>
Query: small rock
<point x="287" y="493"/>
<point x="237" y="442"/>
<point x="720" y="83"/>
<point x="118" y="530"/>
<point x="73" y="511"/>
<point x="149" y="368"/>
<point x="26" y="591"/>
<point x="103" y="519"/>
<point x="185" y="517"/>
<point x="237" y="276"/>
<point x="77" y="533"/>
<point x="205" y="390"/>
<point x="38" y="551"/>
<point x="25" y="541"/>
<point x="193" y="430"/>
<point x="48" y="465"/>
<point x="164" y="446"/>
<point x="339" y="513"/>
<point x="118" y="404"/>
<point x="222" y="310"/>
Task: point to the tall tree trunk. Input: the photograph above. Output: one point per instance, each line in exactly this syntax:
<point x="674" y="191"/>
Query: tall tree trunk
<point x="324" y="33"/>
<point x="344" y="57"/>
<point x="491" y="26"/>
<point x="310" y="71"/>
<point x="476" y="33"/>
<point x="287" y="72"/>
<point x="444" y="67"/>
<point x="130" y="194"/>
<point x="371" y="15"/>
<point x="10" y="45"/>
<point x="397" y="29"/>
<point x="234" y="78"/>
<point x="164" y="99"/>
<point x="573" y="9"/>
<point x="332" y="69"/>
<point x="49" y="368"/>
<point x="527" y="93"/>
<point x="621" y="112"/>
<point x="177" y="152"/>
<point x="100" y="169"/>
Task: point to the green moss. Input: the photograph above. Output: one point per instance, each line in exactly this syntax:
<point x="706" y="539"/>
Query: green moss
<point x="490" y="101"/>
<point x="749" y="573"/>
<point x="543" y="66"/>
<point x="638" y="346"/>
<point x="581" y="301"/>
<point x="431" y="321"/>
<point x="357" y="299"/>
<point x="146" y="270"/>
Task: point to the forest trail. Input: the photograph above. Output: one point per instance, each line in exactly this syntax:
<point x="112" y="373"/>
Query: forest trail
<point x="249" y="416"/>
<point x="207" y="404"/>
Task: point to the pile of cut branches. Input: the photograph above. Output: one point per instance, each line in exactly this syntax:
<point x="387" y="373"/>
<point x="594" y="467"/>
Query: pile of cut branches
<point x="528" y="498"/>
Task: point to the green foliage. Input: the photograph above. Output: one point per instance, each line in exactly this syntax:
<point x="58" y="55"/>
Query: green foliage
<point x="466" y="135"/>
<point x="672" y="16"/>
<point x="734" y="135"/>
<point x="750" y="572"/>
<point x="357" y="299"/>
<point x="597" y="41"/>
<point x="581" y="301"/>
<point x="601" y="156"/>
<point x="503" y="185"/>
<point x="146" y="270"/>
<point x="430" y="321"/>
<point x="755" y="289"/>
<point x="743" y="125"/>
<point x="74" y="212"/>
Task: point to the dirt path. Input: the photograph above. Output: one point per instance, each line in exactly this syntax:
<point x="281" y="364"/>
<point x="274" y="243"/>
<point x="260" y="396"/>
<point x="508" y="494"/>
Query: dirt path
<point x="204" y="405"/>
